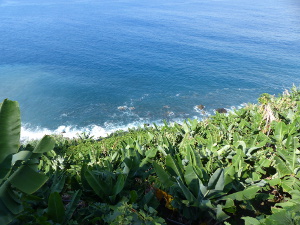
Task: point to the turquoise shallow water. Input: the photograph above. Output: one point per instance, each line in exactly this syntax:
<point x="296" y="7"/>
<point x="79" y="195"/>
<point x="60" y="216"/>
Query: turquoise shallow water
<point x="102" y="65"/>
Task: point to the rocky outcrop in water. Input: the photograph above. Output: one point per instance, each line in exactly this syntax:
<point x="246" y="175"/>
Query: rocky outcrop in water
<point x="201" y="107"/>
<point x="221" y="110"/>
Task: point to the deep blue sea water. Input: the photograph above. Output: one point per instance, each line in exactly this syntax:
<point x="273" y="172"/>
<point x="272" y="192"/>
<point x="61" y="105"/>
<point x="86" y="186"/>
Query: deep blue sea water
<point x="101" y="65"/>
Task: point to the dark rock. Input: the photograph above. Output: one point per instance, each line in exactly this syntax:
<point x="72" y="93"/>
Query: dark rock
<point x="221" y="110"/>
<point x="200" y="107"/>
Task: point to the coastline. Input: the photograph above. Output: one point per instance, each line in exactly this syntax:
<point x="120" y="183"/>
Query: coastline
<point x="30" y="133"/>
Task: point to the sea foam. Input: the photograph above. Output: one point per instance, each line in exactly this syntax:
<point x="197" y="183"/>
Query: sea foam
<point x="29" y="133"/>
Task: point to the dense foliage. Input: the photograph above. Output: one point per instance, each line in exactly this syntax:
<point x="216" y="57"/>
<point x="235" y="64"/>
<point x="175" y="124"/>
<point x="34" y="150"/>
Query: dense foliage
<point x="236" y="168"/>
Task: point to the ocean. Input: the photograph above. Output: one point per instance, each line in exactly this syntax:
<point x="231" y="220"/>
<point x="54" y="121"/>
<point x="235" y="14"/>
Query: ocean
<point x="97" y="66"/>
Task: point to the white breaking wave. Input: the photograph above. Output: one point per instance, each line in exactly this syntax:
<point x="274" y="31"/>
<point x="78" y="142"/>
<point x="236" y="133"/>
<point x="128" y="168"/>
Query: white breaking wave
<point x="28" y="133"/>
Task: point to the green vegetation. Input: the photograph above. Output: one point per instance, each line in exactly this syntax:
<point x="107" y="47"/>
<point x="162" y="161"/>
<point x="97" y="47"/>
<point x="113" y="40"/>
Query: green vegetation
<point x="236" y="168"/>
<point x="19" y="175"/>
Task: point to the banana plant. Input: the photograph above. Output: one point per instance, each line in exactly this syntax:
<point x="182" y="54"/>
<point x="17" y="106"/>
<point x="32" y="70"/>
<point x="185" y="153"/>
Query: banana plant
<point x="282" y="213"/>
<point x="56" y="210"/>
<point x="287" y="164"/>
<point x="253" y="145"/>
<point x="18" y="169"/>
<point x="205" y="190"/>
<point x="199" y="190"/>
<point x="105" y="183"/>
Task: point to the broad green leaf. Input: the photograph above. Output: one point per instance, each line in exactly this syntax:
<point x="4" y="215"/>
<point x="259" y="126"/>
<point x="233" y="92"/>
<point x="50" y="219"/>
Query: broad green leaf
<point x="94" y="183"/>
<point x="286" y="216"/>
<point x="223" y="150"/>
<point x="151" y="153"/>
<point x="203" y="190"/>
<point x="247" y="194"/>
<point x="283" y="205"/>
<point x="189" y="175"/>
<point x="228" y="183"/>
<point x="10" y="124"/>
<point x="289" y="156"/>
<point x="282" y="167"/>
<point x="22" y="155"/>
<point x="186" y="127"/>
<point x="193" y="156"/>
<point x="290" y="183"/>
<point x="201" y="173"/>
<point x="221" y="215"/>
<point x="280" y="130"/>
<point x="265" y="162"/>
<point x="292" y="128"/>
<point x="206" y="205"/>
<point x="216" y="181"/>
<point x="45" y="145"/>
<point x="72" y="205"/>
<point x="274" y="181"/>
<point x="139" y="148"/>
<point x="255" y="176"/>
<point x="150" y="137"/>
<point x="126" y="168"/>
<point x="118" y="187"/>
<point x="189" y="195"/>
<point x="162" y="150"/>
<point x="173" y="167"/>
<point x="230" y="172"/>
<point x="133" y="196"/>
<point x="229" y="203"/>
<point x="251" y="221"/>
<point x="58" y="184"/>
<point x="294" y="159"/>
<point x="27" y="180"/>
<point x="56" y="210"/>
<point x="291" y="115"/>
<point x="164" y="177"/>
<point x="10" y="200"/>
<point x="189" y="154"/>
<point x="25" y="177"/>
<point x="241" y="144"/>
<point x="229" y="206"/>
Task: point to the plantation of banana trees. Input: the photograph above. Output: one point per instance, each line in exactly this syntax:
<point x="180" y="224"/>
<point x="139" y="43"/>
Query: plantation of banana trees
<point x="242" y="167"/>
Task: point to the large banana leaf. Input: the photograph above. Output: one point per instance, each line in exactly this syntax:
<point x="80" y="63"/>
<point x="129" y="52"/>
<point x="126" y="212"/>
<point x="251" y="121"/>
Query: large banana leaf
<point x="287" y="160"/>
<point x="16" y="178"/>
<point x="247" y="194"/>
<point x="24" y="179"/>
<point x="56" y="210"/>
<point x="10" y="126"/>
<point x="173" y="167"/>
<point x="164" y="177"/>
<point x="71" y="207"/>
<point x="105" y="184"/>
